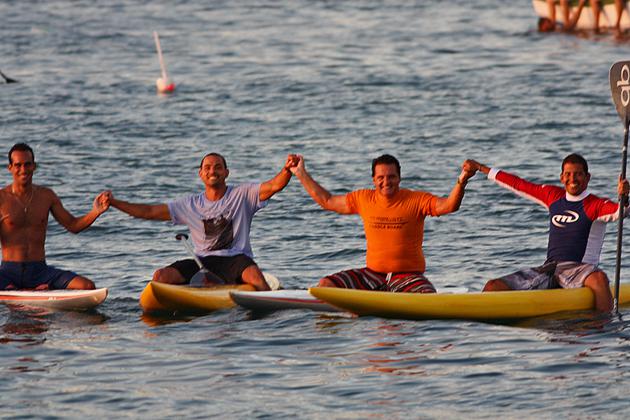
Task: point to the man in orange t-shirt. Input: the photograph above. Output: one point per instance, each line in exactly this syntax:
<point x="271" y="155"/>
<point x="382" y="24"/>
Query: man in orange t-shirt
<point x="393" y="219"/>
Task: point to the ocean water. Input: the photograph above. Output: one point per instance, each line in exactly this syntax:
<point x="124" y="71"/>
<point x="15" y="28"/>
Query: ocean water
<point x="340" y="83"/>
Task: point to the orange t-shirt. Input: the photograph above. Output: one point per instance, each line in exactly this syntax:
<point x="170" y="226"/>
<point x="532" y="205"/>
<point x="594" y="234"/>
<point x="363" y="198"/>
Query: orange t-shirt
<point x="394" y="228"/>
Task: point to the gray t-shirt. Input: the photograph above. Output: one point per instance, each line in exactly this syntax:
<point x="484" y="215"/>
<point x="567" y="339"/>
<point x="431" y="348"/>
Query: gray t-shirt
<point x="219" y="228"/>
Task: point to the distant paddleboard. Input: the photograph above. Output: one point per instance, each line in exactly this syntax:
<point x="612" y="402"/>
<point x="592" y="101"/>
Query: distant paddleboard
<point x="586" y="21"/>
<point x="64" y="300"/>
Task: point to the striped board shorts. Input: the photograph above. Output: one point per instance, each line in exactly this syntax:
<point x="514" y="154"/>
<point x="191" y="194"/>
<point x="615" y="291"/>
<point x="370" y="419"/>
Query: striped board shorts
<point x="366" y="279"/>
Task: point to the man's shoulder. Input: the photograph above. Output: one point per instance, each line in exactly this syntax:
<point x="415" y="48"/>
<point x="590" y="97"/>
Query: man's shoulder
<point x="414" y="194"/>
<point x="243" y="190"/>
<point x="595" y="199"/>
<point x="37" y="189"/>
<point x="558" y="192"/>
<point x="41" y="189"/>
<point x="243" y="186"/>
<point x="363" y="193"/>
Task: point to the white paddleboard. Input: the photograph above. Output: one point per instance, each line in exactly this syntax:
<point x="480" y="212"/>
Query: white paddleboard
<point x="280" y="299"/>
<point x="73" y="300"/>
<point x="296" y="299"/>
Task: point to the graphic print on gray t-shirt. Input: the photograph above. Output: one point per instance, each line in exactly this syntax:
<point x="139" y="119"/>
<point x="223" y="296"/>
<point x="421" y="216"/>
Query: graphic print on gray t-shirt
<point x="219" y="231"/>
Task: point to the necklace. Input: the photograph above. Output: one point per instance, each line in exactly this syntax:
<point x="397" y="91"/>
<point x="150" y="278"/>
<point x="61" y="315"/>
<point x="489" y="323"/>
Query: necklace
<point x="28" y="203"/>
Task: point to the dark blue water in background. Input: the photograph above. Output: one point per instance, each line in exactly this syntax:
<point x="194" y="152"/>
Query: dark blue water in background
<point x="340" y="83"/>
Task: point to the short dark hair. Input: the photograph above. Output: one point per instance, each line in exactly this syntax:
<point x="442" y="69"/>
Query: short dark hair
<point x="213" y="154"/>
<point x="21" y="147"/>
<point x="385" y="160"/>
<point x="577" y="159"/>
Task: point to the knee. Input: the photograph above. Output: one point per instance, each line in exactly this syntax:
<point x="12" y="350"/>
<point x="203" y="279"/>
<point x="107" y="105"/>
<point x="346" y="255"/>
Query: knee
<point x="252" y="275"/>
<point x="326" y="282"/>
<point x="495" y="285"/>
<point x="164" y="275"/>
<point x="81" y="283"/>
<point x="597" y="280"/>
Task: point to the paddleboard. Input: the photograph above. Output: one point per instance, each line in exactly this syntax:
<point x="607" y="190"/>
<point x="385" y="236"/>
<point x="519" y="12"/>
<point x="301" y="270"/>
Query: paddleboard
<point x="586" y="21"/>
<point x="280" y="299"/>
<point x="473" y="306"/>
<point x="173" y="297"/>
<point x="296" y="299"/>
<point x="63" y="300"/>
<point x="160" y="297"/>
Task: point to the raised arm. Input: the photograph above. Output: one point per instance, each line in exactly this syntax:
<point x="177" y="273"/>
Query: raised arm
<point x="141" y="211"/>
<point x="319" y="194"/>
<point x="454" y="199"/>
<point x="478" y="166"/>
<point x="77" y="224"/>
<point x="278" y="182"/>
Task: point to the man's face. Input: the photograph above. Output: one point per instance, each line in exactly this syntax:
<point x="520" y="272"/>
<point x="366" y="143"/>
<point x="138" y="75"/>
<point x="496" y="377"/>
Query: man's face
<point x="213" y="172"/>
<point x="574" y="178"/>
<point x="386" y="180"/>
<point x="22" y="166"/>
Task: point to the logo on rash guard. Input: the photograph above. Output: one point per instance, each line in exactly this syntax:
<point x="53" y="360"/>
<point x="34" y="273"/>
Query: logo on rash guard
<point x="560" y="220"/>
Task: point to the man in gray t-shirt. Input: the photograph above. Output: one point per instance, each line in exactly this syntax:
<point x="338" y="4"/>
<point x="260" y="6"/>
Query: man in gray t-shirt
<point x="219" y="219"/>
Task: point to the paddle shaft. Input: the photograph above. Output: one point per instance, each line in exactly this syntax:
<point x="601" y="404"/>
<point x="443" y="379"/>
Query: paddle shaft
<point x="624" y="158"/>
<point x="184" y="238"/>
<point x="204" y="274"/>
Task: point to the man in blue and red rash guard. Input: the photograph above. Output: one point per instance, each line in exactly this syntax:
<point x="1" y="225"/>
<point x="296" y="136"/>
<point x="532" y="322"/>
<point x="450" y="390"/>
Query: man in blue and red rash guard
<point x="577" y="224"/>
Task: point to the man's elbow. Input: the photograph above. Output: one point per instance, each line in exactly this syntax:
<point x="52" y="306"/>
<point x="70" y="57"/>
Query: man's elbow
<point x="448" y="209"/>
<point x="74" y="229"/>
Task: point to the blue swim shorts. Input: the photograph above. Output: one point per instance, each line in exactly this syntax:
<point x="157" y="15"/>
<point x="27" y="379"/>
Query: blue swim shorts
<point x="29" y="275"/>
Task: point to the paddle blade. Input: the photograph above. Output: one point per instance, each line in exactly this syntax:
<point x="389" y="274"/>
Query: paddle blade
<point x="204" y="278"/>
<point x="620" y="89"/>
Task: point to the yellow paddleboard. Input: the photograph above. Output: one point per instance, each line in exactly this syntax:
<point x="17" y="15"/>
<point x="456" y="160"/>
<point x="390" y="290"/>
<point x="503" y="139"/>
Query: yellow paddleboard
<point x="186" y="298"/>
<point x="477" y="306"/>
<point x="170" y="297"/>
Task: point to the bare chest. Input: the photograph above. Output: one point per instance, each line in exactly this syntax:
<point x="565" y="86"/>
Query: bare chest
<point x="26" y="213"/>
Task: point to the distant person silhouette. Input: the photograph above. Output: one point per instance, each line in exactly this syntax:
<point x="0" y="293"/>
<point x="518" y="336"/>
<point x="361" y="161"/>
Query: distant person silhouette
<point x="550" y="24"/>
<point x="570" y="20"/>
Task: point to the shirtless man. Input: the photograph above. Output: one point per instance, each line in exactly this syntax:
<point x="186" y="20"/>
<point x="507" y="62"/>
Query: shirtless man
<point x="24" y="209"/>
